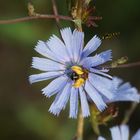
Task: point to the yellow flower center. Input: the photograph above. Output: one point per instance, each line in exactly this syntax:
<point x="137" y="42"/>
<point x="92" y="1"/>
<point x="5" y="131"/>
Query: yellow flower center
<point x="78" y="70"/>
<point x="79" y="76"/>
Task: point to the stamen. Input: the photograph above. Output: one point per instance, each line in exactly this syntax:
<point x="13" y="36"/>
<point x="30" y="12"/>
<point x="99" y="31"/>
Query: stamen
<point x="78" y="82"/>
<point x="78" y="75"/>
<point x="77" y="70"/>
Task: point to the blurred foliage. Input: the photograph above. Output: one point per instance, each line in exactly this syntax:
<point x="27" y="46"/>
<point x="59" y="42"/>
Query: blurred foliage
<point x="23" y="110"/>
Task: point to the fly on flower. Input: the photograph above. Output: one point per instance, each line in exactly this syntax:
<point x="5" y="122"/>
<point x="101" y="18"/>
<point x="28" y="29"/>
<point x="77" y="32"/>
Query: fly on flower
<point x="76" y="74"/>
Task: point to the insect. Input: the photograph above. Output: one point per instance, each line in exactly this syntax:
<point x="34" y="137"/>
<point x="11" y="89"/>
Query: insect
<point x="110" y="35"/>
<point x="74" y="76"/>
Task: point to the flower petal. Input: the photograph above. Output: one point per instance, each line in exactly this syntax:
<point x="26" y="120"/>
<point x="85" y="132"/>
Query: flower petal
<point x="73" y="103"/>
<point x="55" y="86"/>
<point x="84" y="103"/>
<point x="116" y="82"/>
<point x="100" y="73"/>
<point x="66" y="34"/>
<point x="104" y="70"/>
<point x="62" y="100"/>
<point x="124" y="86"/>
<point x="128" y="95"/>
<point x="44" y="76"/>
<point x="96" y="60"/>
<point x="115" y="133"/>
<point x="98" y="82"/>
<point x="124" y="92"/>
<point x="44" y="50"/>
<point x="124" y="132"/>
<point x="52" y="107"/>
<point x="94" y="95"/>
<point x="58" y="48"/>
<point x="136" y="136"/>
<point x="91" y="46"/>
<point x="77" y="43"/>
<point x="47" y="64"/>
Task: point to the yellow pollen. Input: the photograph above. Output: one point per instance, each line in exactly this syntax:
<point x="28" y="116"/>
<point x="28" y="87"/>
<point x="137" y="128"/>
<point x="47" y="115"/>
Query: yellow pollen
<point x="78" y="70"/>
<point x="78" y="82"/>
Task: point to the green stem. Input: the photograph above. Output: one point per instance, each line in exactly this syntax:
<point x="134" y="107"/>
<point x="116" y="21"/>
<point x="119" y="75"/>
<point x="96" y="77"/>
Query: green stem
<point x="94" y="121"/>
<point x="95" y="126"/>
<point x="80" y="126"/>
<point x="129" y="113"/>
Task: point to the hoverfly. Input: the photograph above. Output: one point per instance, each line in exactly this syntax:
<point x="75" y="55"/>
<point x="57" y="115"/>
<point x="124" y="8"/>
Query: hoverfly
<point x="110" y="35"/>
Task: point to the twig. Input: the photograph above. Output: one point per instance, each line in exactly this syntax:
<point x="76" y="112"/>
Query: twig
<point x="129" y="65"/>
<point x="134" y="64"/>
<point x="55" y="10"/>
<point x="129" y="112"/>
<point x="80" y="126"/>
<point x="38" y="16"/>
<point x="56" y="14"/>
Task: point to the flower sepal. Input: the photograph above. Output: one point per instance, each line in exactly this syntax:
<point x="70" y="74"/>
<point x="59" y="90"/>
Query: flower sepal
<point x="102" y="118"/>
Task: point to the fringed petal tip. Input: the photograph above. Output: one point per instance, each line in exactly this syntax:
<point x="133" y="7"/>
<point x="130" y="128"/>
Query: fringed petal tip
<point x="97" y="38"/>
<point x="76" y="115"/>
<point x="108" y="55"/>
<point x="57" y="113"/>
<point x="54" y="111"/>
<point x="86" y="115"/>
<point x="65" y="29"/>
<point x="33" y="62"/>
<point x="101" y="108"/>
<point x="39" y="45"/>
<point x="44" y="93"/>
<point x="91" y="46"/>
<point x="73" y="116"/>
<point x="83" y="115"/>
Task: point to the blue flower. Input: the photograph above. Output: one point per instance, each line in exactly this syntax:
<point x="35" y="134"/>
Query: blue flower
<point x="76" y="74"/>
<point x="121" y="133"/>
<point x="122" y="91"/>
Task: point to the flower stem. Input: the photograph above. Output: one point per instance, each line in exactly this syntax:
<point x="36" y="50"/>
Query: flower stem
<point x="129" y="112"/>
<point x="94" y="119"/>
<point x="80" y="126"/>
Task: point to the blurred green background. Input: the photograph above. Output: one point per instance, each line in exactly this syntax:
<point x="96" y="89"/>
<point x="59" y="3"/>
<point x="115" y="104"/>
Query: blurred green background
<point x="23" y="109"/>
